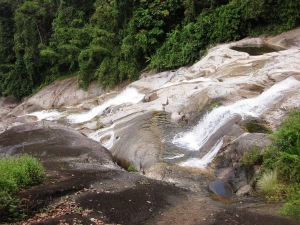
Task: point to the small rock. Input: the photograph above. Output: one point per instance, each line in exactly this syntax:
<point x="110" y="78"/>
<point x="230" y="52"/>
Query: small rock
<point x="220" y="188"/>
<point x="244" y="190"/>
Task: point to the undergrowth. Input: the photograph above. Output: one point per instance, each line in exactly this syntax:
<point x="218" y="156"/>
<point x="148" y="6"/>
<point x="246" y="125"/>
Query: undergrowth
<point x="252" y="157"/>
<point x="281" y="163"/>
<point x="131" y="168"/>
<point x="17" y="173"/>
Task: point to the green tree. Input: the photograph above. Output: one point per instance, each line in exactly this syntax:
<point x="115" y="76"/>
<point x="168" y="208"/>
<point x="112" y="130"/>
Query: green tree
<point x="69" y="36"/>
<point x="32" y="22"/>
<point x="7" y="56"/>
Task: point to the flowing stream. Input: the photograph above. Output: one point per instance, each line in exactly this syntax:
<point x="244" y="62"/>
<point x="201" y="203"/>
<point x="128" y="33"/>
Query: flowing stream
<point x="46" y="115"/>
<point x="194" y="139"/>
<point x="129" y="95"/>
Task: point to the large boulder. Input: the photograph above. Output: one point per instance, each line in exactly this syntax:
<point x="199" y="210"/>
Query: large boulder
<point x="289" y="39"/>
<point x="229" y="167"/>
<point x="59" y="147"/>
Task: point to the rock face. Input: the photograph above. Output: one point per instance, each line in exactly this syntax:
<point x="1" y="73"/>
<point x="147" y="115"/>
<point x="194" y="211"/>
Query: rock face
<point x="170" y="119"/>
<point x="170" y="126"/>
<point x="7" y="104"/>
<point x="290" y="39"/>
<point x="229" y="167"/>
<point x="59" y="94"/>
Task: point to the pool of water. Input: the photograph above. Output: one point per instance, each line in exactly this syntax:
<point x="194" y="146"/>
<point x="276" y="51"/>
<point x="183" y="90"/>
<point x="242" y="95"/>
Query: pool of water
<point x="257" y="50"/>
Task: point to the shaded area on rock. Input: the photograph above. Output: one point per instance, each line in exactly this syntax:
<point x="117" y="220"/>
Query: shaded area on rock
<point x="257" y="50"/>
<point x="255" y="125"/>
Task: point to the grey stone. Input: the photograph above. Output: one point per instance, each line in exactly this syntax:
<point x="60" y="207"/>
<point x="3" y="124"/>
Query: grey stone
<point x="220" y="188"/>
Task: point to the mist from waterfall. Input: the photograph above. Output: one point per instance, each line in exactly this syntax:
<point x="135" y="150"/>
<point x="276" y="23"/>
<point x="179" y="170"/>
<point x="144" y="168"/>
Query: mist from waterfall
<point x="194" y="139"/>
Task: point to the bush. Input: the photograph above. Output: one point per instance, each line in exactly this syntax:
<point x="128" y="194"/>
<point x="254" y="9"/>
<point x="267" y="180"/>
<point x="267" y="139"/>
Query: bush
<point x="283" y="155"/>
<point x="20" y="172"/>
<point x="253" y="157"/>
<point x="292" y="207"/>
<point x="268" y="183"/>
<point x="17" y="172"/>
<point x="284" y="151"/>
<point x="287" y="138"/>
<point x="131" y="168"/>
<point x="288" y="167"/>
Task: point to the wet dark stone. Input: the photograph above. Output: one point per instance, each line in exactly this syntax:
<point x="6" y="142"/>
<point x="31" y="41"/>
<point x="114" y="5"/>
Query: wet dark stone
<point x="255" y="126"/>
<point x="220" y="188"/>
<point x="257" y="50"/>
<point x="10" y="100"/>
<point x="58" y="147"/>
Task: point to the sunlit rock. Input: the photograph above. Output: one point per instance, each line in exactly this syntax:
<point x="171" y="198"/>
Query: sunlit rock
<point x="171" y="118"/>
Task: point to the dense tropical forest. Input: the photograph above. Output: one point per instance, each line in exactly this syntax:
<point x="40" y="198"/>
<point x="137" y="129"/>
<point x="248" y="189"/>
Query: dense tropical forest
<point x="113" y="40"/>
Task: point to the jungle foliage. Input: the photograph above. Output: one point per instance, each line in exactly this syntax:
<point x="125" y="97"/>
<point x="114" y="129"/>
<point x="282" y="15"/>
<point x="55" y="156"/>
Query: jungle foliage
<point x="113" y="40"/>
<point x="281" y="163"/>
<point x="17" y="173"/>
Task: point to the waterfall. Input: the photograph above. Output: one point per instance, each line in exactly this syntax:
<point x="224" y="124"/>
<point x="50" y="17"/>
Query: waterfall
<point x="205" y="160"/>
<point x="129" y="95"/>
<point x="194" y="139"/>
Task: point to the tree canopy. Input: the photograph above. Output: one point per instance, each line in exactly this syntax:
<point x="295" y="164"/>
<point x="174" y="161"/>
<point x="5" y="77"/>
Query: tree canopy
<point x="113" y="40"/>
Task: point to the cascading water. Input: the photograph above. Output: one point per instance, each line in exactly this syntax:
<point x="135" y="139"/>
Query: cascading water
<point x="193" y="140"/>
<point x="205" y="160"/>
<point x="46" y="115"/>
<point x="129" y="95"/>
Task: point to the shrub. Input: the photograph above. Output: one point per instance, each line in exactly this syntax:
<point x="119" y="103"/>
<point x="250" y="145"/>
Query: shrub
<point x="20" y="172"/>
<point x="283" y="155"/>
<point x="131" y="168"/>
<point x="292" y="207"/>
<point x="287" y="138"/>
<point x="253" y="157"/>
<point x="284" y="151"/>
<point x="288" y="167"/>
<point x="268" y="183"/>
<point x="10" y="208"/>
<point x="17" y="172"/>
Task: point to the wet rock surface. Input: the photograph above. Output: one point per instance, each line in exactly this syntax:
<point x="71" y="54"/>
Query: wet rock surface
<point x="171" y="104"/>
<point x="229" y="166"/>
<point x="83" y="185"/>
<point x="220" y="188"/>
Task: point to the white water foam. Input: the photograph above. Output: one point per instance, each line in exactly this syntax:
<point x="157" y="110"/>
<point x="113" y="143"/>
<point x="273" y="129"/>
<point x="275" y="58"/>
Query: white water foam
<point x="175" y="157"/>
<point x="193" y="140"/>
<point x="46" y="115"/>
<point x="129" y="95"/>
<point x="205" y="160"/>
